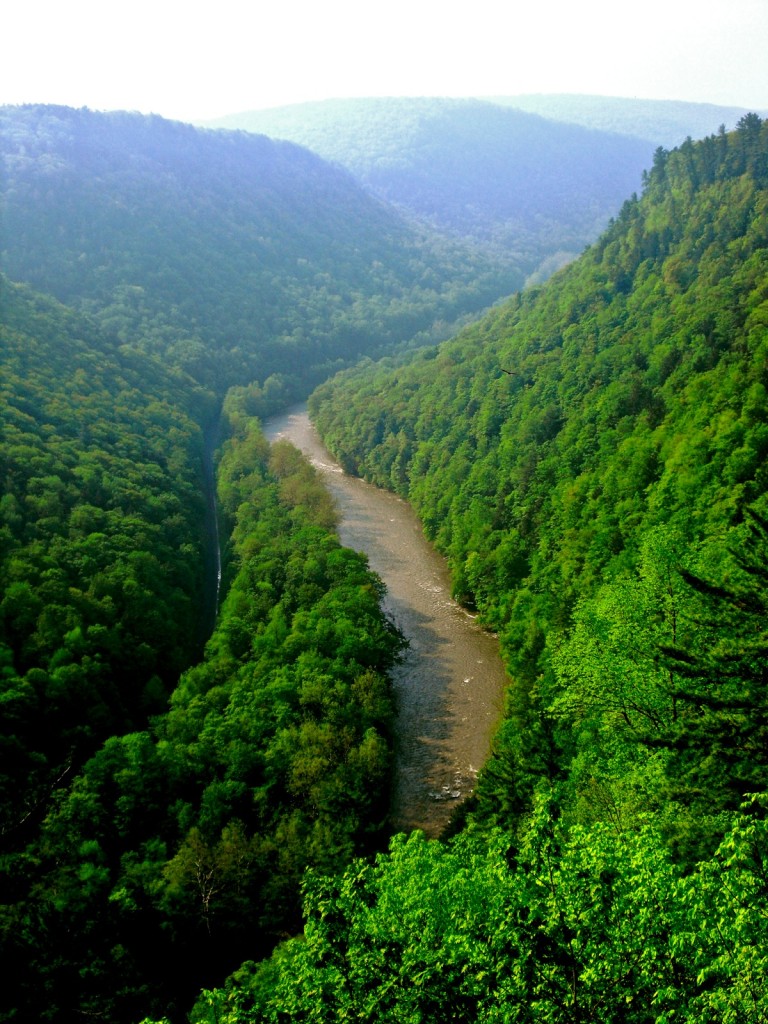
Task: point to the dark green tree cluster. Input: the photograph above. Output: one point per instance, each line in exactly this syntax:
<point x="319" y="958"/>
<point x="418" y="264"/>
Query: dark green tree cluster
<point x="230" y="255"/>
<point x="660" y="686"/>
<point x="100" y="544"/>
<point x="179" y="849"/>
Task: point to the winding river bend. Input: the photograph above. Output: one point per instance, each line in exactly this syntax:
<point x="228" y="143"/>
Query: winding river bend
<point x="450" y="685"/>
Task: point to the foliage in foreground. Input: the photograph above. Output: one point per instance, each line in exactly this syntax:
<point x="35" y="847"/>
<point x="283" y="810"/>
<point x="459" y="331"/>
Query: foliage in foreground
<point x="586" y="925"/>
<point x="595" y="909"/>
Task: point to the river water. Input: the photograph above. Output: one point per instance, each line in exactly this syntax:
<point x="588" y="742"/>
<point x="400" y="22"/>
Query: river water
<point x="450" y="685"/>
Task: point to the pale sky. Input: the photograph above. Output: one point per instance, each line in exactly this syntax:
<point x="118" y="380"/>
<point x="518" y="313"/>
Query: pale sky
<point x="196" y="61"/>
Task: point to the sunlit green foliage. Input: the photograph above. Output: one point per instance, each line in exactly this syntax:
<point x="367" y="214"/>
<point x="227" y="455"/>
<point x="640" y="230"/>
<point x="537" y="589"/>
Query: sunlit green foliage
<point x="581" y="925"/>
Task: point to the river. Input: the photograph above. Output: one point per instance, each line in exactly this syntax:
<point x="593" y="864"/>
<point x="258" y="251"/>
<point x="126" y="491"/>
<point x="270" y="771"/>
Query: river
<point x="450" y="685"/>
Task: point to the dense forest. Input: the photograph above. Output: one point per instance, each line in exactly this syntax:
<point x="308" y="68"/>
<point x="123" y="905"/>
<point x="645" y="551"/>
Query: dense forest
<point x="102" y="546"/>
<point x="179" y="809"/>
<point x="147" y="814"/>
<point x="536" y="190"/>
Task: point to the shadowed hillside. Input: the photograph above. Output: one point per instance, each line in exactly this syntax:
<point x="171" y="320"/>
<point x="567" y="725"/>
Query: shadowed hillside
<point x="531" y="187"/>
<point x="232" y="256"/>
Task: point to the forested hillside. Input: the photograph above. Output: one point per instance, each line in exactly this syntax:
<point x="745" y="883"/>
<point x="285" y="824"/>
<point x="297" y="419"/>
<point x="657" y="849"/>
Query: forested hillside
<point x="234" y="257"/>
<point x="608" y="424"/>
<point x="149" y="847"/>
<point x="533" y="188"/>
<point x="592" y="460"/>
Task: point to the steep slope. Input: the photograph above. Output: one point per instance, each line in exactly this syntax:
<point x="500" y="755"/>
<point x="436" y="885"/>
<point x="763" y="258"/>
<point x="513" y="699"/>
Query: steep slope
<point x="532" y="187"/>
<point x="665" y="123"/>
<point x="615" y="418"/>
<point x="230" y="255"/>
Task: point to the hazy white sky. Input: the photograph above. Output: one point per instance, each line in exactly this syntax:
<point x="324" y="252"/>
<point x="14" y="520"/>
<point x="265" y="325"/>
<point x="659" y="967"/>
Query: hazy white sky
<point x="194" y="61"/>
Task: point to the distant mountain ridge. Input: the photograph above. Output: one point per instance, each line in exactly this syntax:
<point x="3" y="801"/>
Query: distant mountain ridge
<point x="233" y="256"/>
<point x="530" y="186"/>
<point x="663" y="122"/>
